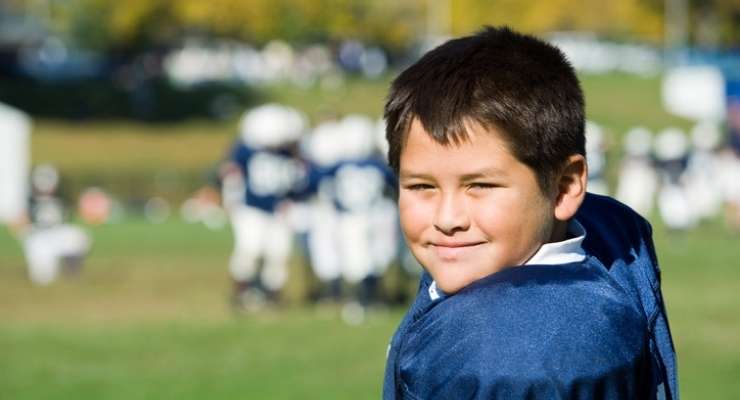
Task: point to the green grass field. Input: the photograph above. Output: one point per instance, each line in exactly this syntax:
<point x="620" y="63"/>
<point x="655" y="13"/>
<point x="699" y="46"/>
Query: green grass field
<point x="148" y="318"/>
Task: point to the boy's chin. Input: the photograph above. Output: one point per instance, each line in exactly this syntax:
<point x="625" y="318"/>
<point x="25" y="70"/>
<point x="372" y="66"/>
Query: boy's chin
<point x="451" y="285"/>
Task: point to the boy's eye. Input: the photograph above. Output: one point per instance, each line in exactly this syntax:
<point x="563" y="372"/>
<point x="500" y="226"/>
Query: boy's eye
<point x="419" y="186"/>
<point x="481" y="185"/>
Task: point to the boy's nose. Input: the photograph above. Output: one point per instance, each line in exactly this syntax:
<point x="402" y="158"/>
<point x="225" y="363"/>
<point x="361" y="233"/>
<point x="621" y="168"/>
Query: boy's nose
<point x="451" y="215"/>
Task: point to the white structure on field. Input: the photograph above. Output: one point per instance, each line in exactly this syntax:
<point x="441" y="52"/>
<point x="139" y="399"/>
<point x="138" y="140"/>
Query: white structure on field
<point x="15" y="136"/>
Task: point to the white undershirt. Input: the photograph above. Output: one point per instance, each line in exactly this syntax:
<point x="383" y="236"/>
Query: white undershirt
<point x="567" y="251"/>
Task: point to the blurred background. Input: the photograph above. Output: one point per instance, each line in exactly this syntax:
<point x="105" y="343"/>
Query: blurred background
<point x="196" y="205"/>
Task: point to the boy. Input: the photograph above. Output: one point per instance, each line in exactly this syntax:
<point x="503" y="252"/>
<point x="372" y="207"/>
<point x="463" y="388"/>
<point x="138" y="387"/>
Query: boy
<point x="486" y="135"/>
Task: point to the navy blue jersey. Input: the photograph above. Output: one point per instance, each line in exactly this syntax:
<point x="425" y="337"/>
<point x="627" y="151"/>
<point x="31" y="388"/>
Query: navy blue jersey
<point x="582" y="330"/>
<point x="354" y="185"/>
<point x="271" y="175"/>
<point x="358" y="184"/>
<point x="623" y="241"/>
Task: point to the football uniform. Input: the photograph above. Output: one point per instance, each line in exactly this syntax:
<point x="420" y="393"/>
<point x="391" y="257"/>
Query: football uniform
<point x="270" y="176"/>
<point x="638" y="180"/>
<point x="595" y="328"/>
<point x="367" y="220"/>
<point x="267" y="173"/>
<point x="596" y="150"/>
<point x="671" y="150"/>
<point x="354" y="231"/>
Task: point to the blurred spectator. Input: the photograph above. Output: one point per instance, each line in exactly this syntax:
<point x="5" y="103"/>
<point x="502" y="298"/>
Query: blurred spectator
<point x="729" y="180"/>
<point x="733" y="114"/>
<point x="51" y="246"/>
<point x="36" y="218"/>
<point x="157" y="210"/>
<point x="199" y="62"/>
<point x="730" y="157"/>
<point x="694" y="92"/>
<point x="638" y="180"/>
<point x="589" y="54"/>
<point x="355" y="57"/>
<point x="702" y="171"/>
<point x="95" y="206"/>
<point x="671" y="151"/>
<point x="596" y="151"/>
<point x="204" y="206"/>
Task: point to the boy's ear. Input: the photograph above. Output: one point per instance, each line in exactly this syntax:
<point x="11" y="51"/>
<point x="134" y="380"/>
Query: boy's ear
<point x="571" y="187"/>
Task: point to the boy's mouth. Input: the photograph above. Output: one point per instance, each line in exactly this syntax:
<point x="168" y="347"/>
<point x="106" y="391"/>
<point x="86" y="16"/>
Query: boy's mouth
<point x="451" y="251"/>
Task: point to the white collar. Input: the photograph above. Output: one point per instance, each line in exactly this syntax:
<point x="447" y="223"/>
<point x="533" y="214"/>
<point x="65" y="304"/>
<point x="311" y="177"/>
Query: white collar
<point x="433" y="291"/>
<point x="563" y="252"/>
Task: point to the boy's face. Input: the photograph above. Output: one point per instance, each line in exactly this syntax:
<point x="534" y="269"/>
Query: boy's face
<point x="470" y="209"/>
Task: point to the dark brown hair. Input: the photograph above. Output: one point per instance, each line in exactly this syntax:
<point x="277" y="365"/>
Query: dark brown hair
<point x="517" y="84"/>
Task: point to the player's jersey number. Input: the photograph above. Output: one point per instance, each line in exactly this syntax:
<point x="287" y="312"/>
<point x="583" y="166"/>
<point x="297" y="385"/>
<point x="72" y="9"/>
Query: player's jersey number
<point x="358" y="187"/>
<point x="272" y="175"/>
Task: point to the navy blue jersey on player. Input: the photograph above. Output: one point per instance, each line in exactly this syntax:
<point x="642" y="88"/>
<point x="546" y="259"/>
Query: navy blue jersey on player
<point x="353" y="185"/>
<point x="358" y="184"/>
<point x="593" y="329"/>
<point x="271" y="175"/>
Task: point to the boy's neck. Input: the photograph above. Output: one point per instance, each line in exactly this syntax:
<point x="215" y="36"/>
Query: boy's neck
<point x="559" y="231"/>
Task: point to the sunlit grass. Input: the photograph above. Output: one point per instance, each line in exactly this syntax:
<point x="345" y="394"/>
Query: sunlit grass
<point x="148" y="318"/>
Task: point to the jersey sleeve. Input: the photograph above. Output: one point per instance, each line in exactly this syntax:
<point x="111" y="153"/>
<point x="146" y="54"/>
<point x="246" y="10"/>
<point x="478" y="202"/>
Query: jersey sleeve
<point x="622" y="240"/>
<point x="239" y="154"/>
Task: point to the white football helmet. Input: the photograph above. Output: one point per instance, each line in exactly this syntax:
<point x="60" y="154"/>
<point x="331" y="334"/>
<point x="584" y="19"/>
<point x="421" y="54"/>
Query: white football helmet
<point x="272" y="125"/>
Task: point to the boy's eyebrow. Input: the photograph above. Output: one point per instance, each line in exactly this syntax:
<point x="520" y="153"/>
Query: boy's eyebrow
<point x="483" y="173"/>
<point x="413" y="175"/>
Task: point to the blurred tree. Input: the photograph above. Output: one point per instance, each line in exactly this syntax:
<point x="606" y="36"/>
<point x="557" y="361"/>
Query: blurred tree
<point x="715" y="22"/>
<point x="102" y="24"/>
<point x="394" y="24"/>
<point x="391" y="23"/>
<point x="624" y="19"/>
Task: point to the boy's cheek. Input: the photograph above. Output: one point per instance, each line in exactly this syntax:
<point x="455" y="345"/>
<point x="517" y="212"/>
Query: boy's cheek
<point x="413" y="215"/>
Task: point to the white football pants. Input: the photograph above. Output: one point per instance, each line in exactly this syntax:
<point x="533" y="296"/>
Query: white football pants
<point x="260" y="235"/>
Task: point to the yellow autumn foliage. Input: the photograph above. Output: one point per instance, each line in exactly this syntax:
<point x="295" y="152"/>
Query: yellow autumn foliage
<point x="392" y="23"/>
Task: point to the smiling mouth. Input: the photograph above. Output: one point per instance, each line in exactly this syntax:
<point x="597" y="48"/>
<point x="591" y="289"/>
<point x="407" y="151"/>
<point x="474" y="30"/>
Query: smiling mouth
<point x="453" y="251"/>
<point x="455" y="245"/>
